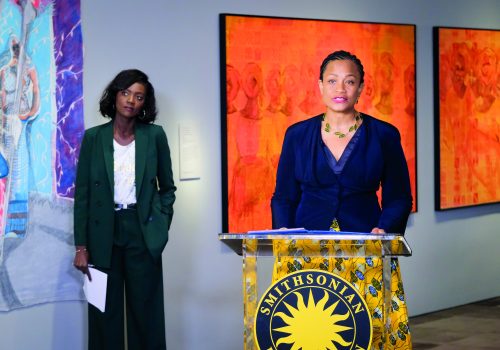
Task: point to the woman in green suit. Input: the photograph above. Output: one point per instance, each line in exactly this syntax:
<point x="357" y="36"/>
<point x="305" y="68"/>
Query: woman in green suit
<point x="123" y="209"/>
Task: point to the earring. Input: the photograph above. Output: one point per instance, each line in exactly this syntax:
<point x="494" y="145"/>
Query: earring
<point x="143" y="115"/>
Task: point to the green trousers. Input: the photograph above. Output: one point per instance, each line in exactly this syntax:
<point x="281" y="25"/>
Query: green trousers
<point x="134" y="272"/>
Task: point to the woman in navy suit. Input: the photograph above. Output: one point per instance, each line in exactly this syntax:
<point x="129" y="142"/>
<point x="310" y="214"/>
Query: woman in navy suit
<point x="330" y="169"/>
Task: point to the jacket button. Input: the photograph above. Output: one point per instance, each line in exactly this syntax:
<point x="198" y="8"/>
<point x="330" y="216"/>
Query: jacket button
<point x="97" y="183"/>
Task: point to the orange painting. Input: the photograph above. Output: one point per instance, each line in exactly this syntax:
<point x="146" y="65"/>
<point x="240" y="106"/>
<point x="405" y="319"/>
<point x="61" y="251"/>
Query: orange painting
<point x="468" y="63"/>
<point x="270" y="81"/>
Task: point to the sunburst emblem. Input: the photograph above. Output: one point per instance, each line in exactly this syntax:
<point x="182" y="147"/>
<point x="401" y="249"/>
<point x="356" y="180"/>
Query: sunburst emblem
<point x="313" y="326"/>
<point x="312" y="310"/>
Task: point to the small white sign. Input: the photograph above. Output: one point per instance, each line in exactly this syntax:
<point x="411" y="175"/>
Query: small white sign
<point x="189" y="151"/>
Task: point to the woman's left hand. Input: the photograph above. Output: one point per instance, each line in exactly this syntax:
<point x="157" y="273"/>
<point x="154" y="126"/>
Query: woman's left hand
<point x="81" y="261"/>
<point x="378" y="230"/>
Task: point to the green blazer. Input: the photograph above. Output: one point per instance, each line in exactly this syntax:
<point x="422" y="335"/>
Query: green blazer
<point x="94" y="192"/>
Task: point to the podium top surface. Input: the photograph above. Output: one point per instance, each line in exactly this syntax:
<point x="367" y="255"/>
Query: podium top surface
<point x="260" y="243"/>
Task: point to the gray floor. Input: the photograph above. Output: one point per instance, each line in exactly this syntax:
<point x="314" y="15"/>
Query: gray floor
<point x="472" y="327"/>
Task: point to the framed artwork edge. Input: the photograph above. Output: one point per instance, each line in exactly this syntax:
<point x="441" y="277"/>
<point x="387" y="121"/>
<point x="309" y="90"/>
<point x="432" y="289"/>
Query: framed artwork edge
<point x="438" y="206"/>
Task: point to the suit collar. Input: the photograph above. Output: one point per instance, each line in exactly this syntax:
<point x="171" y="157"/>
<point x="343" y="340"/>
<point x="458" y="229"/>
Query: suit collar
<point x="107" y="149"/>
<point x="141" y="145"/>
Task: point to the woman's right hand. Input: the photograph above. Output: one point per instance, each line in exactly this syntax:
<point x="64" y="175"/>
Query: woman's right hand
<point x="81" y="261"/>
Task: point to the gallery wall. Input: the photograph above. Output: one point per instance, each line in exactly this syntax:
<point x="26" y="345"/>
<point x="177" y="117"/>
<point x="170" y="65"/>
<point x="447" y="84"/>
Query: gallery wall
<point x="455" y="253"/>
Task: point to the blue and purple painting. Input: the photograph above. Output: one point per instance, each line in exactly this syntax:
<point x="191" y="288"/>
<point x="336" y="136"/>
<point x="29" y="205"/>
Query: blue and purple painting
<point x="41" y="115"/>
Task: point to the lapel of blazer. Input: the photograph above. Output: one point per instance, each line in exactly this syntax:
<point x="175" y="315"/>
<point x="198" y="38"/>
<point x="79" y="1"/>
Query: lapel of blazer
<point x="141" y="146"/>
<point x="107" y="149"/>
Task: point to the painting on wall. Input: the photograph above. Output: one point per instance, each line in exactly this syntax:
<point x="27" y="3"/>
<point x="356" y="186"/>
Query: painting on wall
<point x="41" y="68"/>
<point x="269" y="80"/>
<point x="467" y="112"/>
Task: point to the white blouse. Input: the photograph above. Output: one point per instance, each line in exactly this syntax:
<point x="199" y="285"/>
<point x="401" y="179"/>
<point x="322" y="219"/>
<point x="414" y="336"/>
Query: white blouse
<point x="124" y="172"/>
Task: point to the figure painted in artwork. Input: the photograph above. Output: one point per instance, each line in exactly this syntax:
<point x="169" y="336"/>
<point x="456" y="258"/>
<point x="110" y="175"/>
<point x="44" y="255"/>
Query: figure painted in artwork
<point x="20" y="100"/>
<point x="250" y="185"/>
<point x="385" y="73"/>
<point x="294" y="94"/>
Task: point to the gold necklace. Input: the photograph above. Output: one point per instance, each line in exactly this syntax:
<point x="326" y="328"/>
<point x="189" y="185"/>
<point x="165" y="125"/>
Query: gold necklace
<point x="352" y="128"/>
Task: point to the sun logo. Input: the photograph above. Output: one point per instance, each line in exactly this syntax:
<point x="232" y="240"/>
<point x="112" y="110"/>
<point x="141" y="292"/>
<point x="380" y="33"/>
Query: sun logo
<point x="312" y="324"/>
<point x="312" y="310"/>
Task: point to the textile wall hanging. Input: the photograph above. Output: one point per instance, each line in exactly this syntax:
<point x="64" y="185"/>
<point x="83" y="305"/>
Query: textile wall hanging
<point x="41" y="128"/>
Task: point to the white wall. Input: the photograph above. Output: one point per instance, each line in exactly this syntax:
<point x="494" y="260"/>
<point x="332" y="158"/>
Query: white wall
<point x="455" y="259"/>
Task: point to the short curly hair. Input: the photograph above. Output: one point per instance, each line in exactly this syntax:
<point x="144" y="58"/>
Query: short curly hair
<point x="122" y="81"/>
<point x="342" y="55"/>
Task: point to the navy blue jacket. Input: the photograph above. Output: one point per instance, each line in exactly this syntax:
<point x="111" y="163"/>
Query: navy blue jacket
<point x="309" y="194"/>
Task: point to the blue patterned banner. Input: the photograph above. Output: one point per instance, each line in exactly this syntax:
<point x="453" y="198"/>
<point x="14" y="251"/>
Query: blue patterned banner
<point x="41" y="99"/>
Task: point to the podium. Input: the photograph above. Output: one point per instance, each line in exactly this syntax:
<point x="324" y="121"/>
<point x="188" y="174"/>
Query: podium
<point x="261" y="251"/>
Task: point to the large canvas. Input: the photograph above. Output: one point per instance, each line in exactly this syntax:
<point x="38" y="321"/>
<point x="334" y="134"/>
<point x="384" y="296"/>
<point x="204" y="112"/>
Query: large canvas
<point x="270" y="72"/>
<point x="467" y="63"/>
<point x="41" y="127"/>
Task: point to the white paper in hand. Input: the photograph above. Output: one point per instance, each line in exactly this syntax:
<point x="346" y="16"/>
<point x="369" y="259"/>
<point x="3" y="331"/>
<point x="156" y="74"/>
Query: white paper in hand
<point x="95" y="290"/>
